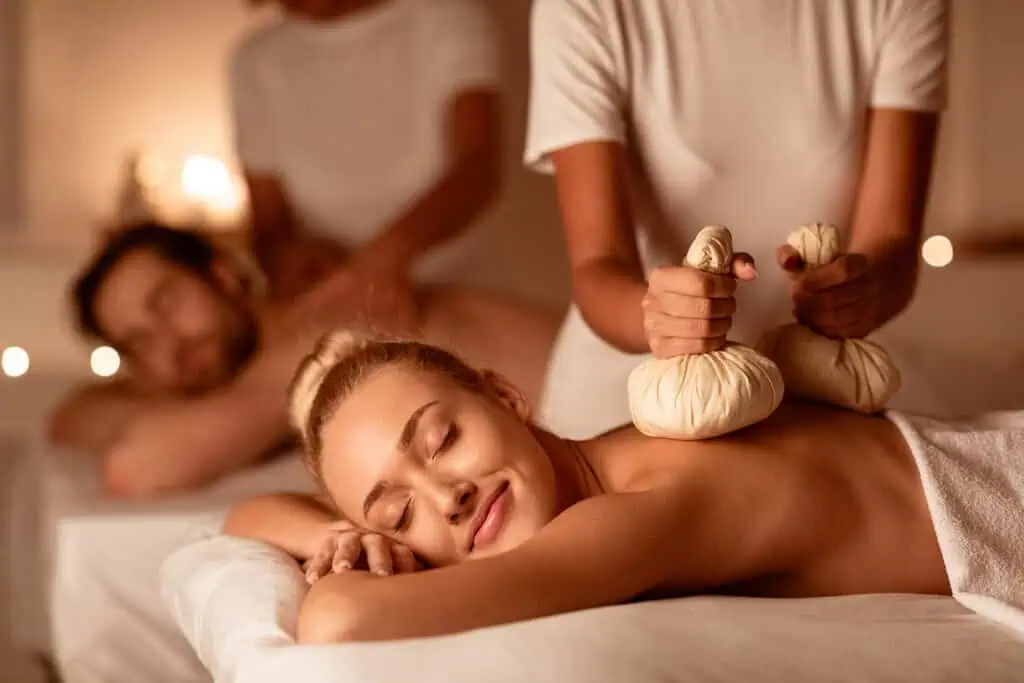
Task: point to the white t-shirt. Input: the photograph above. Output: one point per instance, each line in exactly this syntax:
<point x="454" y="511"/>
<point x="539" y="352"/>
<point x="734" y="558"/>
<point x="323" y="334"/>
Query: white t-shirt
<point x="350" y="115"/>
<point x="747" y="113"/>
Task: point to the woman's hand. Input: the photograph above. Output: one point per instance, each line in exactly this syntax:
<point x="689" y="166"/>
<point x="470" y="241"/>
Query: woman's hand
<point x="689" y="311"/>
<point x="842" y="299"/>
<point x="348" y="547"/>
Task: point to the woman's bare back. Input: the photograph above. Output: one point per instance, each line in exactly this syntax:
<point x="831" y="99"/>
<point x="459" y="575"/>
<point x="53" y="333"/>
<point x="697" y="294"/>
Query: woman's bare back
<point x="830" y="501"/>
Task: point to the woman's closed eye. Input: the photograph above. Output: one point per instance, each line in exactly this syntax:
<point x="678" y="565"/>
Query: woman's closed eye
<point x="446" y="441"/>
<point x="402" y="523"/>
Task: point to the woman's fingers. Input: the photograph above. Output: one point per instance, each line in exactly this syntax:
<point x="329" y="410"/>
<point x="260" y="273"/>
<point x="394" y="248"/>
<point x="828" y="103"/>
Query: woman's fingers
<point x="349" y="549"/>
<point x="320" y="564"/>
<point x="403" y="559"/>
<point x="378" y="554"/>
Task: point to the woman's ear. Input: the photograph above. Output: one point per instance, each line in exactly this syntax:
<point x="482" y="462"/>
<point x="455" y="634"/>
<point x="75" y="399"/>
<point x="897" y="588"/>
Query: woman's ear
<point x="508" y="394"/>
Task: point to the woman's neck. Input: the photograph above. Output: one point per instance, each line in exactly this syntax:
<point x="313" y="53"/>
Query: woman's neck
<point x="575" y="477"/>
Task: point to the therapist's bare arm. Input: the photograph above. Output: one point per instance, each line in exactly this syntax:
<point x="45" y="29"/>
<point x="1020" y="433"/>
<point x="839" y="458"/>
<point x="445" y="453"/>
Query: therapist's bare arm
<point x="684" y="536"/>
<point x="678" y="310"/>
<point x="292" y="258"/>
<point x="607" y="278"/>
<point x="891" y="200"/>
<point x="469" y="184"/>
<point x="273" y="225"/>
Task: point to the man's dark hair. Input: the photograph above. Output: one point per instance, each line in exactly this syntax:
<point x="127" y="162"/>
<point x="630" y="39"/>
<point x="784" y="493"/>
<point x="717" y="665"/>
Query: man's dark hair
<point x="185" y="248"/>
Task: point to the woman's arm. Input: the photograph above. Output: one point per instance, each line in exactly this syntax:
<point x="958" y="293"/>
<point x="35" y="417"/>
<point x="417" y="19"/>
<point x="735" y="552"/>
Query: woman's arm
<point x="684" y="537"/>
<point x="294" y="523"/>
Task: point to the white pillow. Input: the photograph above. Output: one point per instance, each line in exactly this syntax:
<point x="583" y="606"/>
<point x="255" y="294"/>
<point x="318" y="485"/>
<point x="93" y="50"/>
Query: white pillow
<point x="231" y="596"/>
<point x="238" y="600"/>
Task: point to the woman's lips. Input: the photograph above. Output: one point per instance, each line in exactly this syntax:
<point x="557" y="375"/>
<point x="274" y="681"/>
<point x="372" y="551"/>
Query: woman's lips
<point x="493" y="518"/>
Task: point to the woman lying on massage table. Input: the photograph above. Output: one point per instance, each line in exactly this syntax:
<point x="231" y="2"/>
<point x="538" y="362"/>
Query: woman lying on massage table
<point x="429" y="455"/>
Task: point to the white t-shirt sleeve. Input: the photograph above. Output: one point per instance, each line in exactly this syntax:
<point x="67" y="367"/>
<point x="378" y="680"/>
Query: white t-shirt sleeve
<point x="576" y="93"/>
<point x="253" y="126"/>
<point x="468" y="56"/>
<point x="912" y="67"/>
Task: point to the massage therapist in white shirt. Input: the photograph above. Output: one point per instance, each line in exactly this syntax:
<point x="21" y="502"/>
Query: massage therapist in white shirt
<point x="369" y="133"/>
<point x="658" y="117"/>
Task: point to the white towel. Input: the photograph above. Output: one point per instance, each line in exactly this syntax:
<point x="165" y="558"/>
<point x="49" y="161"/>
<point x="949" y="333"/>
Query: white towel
<point x="973" y="476"/>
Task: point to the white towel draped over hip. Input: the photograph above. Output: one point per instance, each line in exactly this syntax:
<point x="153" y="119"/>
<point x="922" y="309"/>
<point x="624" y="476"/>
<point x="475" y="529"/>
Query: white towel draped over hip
<point x="973" y="477"/>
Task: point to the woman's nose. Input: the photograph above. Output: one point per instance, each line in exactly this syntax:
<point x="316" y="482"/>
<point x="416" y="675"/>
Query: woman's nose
<point x="459" y="502"/>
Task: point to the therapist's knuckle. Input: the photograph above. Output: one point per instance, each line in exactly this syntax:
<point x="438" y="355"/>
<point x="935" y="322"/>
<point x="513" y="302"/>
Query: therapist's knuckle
<point x="656" y="280"/>
<point x="701" y="307"/>
<point x="702" y="328"/>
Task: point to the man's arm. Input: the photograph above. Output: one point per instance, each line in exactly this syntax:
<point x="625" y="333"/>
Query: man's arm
<point x="691" y="534"/>
<point x="192" y="442"/>
<point x="470" y="183"/>
<point x="91" y="418"/>
<point x="893" y="194"/>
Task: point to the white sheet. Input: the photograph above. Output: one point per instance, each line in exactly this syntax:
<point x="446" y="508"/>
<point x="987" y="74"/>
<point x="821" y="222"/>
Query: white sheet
<point x="109" y="623"/>
<point x="237" y="602"/>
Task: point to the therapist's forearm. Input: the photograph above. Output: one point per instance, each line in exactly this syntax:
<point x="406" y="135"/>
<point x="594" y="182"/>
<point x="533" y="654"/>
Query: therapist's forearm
<point x="891" y="201"/>
<point x="609" y="295"/>
<point x="444" y="211"/>
<point x="897" y="267"/>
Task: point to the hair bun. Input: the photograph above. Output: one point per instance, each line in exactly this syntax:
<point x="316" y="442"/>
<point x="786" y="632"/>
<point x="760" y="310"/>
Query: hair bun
<point x="332" y="350"/>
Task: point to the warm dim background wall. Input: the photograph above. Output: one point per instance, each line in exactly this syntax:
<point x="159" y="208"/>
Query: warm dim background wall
<point x="103" y="77"/>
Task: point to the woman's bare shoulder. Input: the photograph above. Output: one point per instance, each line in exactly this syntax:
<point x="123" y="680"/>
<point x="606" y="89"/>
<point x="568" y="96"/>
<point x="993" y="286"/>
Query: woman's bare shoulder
<point x="625" y="460"/>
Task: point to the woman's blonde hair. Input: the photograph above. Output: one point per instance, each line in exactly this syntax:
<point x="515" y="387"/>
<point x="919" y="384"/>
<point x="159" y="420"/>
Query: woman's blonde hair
<point x="345" y="358"/>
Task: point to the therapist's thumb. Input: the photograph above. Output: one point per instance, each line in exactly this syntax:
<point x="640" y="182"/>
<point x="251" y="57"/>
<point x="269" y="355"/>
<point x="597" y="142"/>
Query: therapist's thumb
<point x="743" y="267"/>
<point x="789" y="259"/>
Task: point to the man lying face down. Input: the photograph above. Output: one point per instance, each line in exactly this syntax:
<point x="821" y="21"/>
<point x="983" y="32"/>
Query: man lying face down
<point x="208" y="362"/>
<point x="437" y="462"/>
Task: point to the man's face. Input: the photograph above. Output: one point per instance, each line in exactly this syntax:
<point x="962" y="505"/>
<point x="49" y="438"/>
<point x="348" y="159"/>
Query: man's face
<point x="180" y="332"/>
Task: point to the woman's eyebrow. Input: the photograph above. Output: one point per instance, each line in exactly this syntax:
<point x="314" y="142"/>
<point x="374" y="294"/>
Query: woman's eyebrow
<point x="411" y="425"/>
